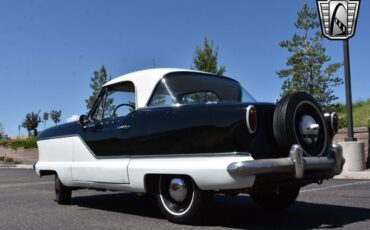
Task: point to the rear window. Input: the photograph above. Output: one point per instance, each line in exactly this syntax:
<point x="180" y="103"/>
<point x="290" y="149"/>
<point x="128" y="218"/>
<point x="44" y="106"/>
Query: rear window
<point x="192" y="88"/>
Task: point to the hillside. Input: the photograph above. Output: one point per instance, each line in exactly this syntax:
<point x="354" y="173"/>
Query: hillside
<point x="361" y="114"/>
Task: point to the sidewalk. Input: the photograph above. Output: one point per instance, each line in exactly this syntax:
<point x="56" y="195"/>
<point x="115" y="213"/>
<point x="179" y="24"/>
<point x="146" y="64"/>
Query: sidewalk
<point x="362" y="175"/>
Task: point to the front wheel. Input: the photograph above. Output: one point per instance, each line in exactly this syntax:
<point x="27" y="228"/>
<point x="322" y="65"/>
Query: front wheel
<point x="276" y="199"/>
<point x="180" y="200"/>
<point x="63" y="194"/>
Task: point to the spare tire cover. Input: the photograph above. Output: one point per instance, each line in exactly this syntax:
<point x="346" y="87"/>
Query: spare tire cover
<point x="298" y="119"/>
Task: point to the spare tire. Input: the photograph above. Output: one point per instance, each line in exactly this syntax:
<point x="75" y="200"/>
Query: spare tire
<point x="298" y="119"/>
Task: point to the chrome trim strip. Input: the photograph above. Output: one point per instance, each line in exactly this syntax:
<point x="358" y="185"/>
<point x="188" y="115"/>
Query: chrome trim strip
<point x="238" y="154"/>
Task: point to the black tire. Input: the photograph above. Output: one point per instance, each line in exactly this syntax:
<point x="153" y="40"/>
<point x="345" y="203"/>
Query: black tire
<point x="287" y="117"/>
<point x="191" y="209"/>
<point x="274" y="200"/>
<point x="63" y="194"/>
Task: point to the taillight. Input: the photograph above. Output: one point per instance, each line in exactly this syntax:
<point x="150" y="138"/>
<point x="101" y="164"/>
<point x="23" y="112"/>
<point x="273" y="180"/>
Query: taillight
<point x="251" y="119"/>
<point x="334" y="122"/>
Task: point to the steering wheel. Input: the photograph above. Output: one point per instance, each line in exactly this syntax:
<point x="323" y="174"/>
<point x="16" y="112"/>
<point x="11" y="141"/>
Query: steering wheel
<point x="120" y="105"/>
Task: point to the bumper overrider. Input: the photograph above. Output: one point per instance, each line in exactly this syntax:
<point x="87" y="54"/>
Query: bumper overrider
<point x="295" y="163"/>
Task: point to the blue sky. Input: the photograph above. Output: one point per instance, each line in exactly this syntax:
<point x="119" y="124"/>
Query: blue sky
<point x="49" y="49"/>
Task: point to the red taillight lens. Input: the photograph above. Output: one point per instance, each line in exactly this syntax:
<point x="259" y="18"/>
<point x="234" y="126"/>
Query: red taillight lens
<point x="251" y="119"/>
<point x="334" y="123"/>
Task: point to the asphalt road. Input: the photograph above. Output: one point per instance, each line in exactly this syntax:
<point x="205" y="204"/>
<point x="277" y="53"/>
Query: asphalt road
<point x="26" y="202"/>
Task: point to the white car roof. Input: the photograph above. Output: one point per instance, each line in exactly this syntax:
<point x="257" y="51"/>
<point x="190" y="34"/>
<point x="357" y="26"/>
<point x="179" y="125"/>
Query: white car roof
<point x="145" y="82"/>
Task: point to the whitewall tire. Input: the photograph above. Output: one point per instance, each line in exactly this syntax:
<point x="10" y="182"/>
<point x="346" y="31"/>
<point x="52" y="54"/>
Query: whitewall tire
<point x="180" y="200"/>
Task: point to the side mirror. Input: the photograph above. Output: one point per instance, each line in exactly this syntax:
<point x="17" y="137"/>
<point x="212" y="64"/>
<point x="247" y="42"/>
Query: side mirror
<point x="84" y="120"/>
<point x="87" y="123"/>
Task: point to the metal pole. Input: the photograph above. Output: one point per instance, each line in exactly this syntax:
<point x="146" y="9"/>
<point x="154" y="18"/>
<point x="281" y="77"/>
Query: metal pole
<point x="347" y="71"/>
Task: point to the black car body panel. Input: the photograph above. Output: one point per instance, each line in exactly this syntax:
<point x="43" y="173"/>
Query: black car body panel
<point x="185" y="129"/>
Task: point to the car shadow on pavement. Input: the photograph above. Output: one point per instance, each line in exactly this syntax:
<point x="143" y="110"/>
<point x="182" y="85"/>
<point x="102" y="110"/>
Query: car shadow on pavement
<point x="236" y="212"/>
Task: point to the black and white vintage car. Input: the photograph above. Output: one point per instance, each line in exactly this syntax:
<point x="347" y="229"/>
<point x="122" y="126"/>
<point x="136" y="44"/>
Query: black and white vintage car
<point x="185" y="135"/>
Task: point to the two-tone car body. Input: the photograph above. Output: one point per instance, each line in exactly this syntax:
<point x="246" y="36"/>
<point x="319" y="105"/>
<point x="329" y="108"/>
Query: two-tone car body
<point x="185" y="135"/>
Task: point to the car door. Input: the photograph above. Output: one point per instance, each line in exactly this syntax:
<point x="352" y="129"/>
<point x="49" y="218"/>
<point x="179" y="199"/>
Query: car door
<point x="100" y="153"/>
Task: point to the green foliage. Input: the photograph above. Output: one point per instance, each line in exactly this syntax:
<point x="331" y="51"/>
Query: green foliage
<point x="205" y="59"/>
<point x="361" y="114"/>
<point x="31" y="122"/>
<point x="28" y="143"/>
<point x="1" y="131"/>
<point x="55" y="116"/>
<point x="97" y="81"/>
<point x="308" y="68"/>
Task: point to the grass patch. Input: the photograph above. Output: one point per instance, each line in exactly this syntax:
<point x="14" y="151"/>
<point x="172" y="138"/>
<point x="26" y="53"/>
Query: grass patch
<point x="28" y="143"/>
<point x="361" y="114"/>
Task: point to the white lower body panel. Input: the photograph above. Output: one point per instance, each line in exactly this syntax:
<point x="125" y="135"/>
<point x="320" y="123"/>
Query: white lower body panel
<point x="209" y="173"/>
<point x="76" y="166"/>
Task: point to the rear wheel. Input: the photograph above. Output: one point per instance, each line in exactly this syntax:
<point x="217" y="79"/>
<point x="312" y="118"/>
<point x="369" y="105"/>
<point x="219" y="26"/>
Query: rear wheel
<point x="276" y="199"/>
<point x="63" y="194"/>
<point x="180" y="200"/>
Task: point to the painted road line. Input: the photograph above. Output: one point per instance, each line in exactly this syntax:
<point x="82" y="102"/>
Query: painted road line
<point x="335" y="186"/>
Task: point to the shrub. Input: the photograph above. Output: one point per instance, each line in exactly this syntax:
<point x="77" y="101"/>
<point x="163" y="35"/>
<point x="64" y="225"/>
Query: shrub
<point x="361" y="114"/>
<point x="28" y="143"/>
<point x="8" y="160"/>
<point x="342" y="122"/>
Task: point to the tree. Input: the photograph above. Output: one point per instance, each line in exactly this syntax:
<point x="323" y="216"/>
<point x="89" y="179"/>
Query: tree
<point x="97" y="81"/>
<point x="1" y="131"/>
<point x="55" y="116"/>
<point x="205" y="59"/>
<point x="31" y="122"/>
<point x="308" y="68"/>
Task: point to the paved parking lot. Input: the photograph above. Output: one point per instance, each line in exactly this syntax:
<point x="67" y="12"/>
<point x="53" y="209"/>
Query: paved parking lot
<point x="26" y="202"/>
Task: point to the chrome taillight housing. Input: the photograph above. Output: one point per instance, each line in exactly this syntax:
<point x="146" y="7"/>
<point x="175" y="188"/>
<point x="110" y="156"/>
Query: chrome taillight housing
<point x="332" y="121"/>
<point x="251" y="118"/>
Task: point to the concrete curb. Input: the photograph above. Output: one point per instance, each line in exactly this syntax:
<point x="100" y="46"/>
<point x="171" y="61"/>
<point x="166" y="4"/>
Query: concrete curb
<point x="362" y="175"/>
<point x="20" y="166"/>
<point x="24" y="166"/>
<point x="7" y="166"/>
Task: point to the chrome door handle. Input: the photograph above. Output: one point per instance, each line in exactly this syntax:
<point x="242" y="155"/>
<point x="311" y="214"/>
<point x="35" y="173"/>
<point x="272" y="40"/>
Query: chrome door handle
<point x="124" y="127"/>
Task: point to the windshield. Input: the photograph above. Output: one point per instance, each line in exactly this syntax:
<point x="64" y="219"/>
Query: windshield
<point x="192" y="88"/>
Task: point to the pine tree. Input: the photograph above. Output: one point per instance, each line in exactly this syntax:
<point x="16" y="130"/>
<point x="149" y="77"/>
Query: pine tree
<point x="308" y="68"/>
<point x="205" y="59"/>
<point x="97" y="81"/>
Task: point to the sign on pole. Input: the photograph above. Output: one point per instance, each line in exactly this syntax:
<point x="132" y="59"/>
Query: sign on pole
<point x="338" y="22"/>
<point x="338" y="18"/>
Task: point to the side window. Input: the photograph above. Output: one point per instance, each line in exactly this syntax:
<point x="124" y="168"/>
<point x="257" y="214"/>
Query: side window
<point x="117" y="101"/>
<point x="162" y="99"/>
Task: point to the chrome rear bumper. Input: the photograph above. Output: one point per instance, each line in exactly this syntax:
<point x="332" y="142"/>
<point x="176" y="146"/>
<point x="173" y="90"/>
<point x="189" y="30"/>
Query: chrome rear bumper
<point x="295" y="163"/>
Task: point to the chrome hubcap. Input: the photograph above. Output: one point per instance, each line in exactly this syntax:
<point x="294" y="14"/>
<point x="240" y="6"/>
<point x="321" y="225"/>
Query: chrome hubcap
<point x="178" y="190"/>
<point x="309" y="129"/>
